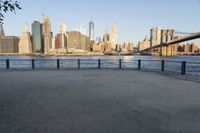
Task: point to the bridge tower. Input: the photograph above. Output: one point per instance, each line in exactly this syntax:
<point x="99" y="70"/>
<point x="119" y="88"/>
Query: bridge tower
<point x="166" y="36"/>
<point x="155" y="39"/>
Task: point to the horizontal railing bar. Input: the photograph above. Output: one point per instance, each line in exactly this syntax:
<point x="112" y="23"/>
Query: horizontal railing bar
<point x="197" y="63"/>
<point x="71" y="64"/>
<point x="107" y="60"/>
<point x="173" y="61"/>
<point x="150" y="60"/>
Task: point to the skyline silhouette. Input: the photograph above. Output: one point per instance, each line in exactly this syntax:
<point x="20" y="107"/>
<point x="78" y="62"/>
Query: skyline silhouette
<point x="134" y="18"/>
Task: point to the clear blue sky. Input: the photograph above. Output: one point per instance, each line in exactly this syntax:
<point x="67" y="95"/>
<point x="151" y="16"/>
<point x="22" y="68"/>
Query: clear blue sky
<point x="134" y="17"/>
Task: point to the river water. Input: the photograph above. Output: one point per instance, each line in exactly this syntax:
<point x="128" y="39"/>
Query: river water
<point x="69" y="62"/>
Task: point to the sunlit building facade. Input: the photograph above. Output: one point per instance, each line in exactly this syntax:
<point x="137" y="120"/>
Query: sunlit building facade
<point x="114" y="36"/>
<point x="9" y="44"/>
<point x="144" y="44"/>
<point x="74" y="40"/>
<point x="25" y="44"/>
<point x="60" y="41"/>
<point x="47" y="34"/>
<point x="62" y="28"/>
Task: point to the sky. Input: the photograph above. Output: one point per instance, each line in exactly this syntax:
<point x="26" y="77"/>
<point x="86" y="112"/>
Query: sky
<point x="135" y="18"/>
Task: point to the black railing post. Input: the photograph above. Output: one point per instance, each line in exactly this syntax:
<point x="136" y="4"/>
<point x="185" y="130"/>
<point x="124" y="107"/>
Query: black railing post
<point x="163" y="66"/>
<point x="120" y="63"/>
<point x="183" y="68"/>
<point x="99" y="63"/>
<point x="58" y="63"/>
<point x="79" y="63"/>
<point x="7" y="64"/>
<point x="33" y="63"/>
<point x="139" y="64"/>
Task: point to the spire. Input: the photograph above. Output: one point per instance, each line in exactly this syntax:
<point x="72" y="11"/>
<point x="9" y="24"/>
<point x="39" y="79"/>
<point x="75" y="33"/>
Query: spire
<point x="146" y="38"/>
<point x="2" y="33"/>
<point x="26" y="27"/>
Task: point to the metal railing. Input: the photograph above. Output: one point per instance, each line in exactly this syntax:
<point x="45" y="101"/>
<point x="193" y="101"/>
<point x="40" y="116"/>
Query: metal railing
<point x="181" y="67"/>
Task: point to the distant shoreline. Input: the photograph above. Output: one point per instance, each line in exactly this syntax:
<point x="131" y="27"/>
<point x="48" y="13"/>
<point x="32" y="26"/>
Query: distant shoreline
<point x="67" y="55"/>
<point x="86" y="55"/>
<point x="45" y="55"/>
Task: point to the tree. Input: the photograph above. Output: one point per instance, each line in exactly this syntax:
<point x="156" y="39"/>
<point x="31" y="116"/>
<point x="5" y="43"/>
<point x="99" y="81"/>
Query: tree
<point x="8" y="6"/>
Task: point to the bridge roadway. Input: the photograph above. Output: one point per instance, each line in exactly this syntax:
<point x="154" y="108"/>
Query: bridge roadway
<point x="98" y="101"/>
<point x="175" y="41"/>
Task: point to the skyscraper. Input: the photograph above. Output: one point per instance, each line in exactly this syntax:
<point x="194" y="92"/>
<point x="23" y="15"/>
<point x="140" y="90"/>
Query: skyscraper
<point x="74" y="40"/>
<point x="61" y="41"/>
<point x="91" y="31"/>
<point x="47" y="34"/>
<point x="25" y="45"/>
<point x="37" y="37"/>
<point x="106" y="36"/>
<point x="82" y="29"/>
<point x="114" y="36"/>
<point x="61" y="38"/>
<point x="2" y="33"/>
<point x="62" y="28"/>
<point x="9" y="44"/>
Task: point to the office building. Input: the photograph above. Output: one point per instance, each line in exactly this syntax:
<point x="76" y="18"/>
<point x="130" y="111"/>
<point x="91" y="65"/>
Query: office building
<point x="2" y="33"/>
<point x="190" y="48"/>
<point x="82" y="29"/>
<point x="47" y="34"/>
<point x="78" y="41"/>
<point x="91" y="31"/>
<point x="25" y="44"/>
<point x="60" y="41"/>
<point x="53" y="43"/>
<point x="144" y="44"/>
<point x="106" y="37"/>
<point x="9" y="44"/>
<point x="85" y="42"/>
<point x="127" y="47"/>
<point x="74" y="40"/>
<point x="114" y="36"/>
<point x="37" y="42"/>
<point x="62" y="28"/>
<point x="61" y="38"/>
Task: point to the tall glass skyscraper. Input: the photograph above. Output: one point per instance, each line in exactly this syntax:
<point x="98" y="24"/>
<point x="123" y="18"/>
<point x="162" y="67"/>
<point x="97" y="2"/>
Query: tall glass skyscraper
<point x="91" y="31"/>
<point x="37" y="37"/>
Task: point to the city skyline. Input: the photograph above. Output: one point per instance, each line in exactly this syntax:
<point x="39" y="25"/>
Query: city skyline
<point x="134" y="18"/>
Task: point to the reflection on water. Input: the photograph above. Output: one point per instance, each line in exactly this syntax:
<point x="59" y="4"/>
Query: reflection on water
<point x="128" y="58"/>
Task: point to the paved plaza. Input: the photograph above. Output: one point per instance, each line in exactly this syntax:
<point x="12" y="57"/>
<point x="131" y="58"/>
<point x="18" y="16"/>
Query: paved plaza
<point x="98" y="101"/>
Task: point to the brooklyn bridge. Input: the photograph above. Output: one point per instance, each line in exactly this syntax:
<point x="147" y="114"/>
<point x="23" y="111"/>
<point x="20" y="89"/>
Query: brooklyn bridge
<point x="164" y="41"/>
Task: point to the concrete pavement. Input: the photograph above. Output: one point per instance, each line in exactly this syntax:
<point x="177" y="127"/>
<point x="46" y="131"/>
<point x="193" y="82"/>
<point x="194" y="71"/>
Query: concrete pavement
<point x="97" y="101"/>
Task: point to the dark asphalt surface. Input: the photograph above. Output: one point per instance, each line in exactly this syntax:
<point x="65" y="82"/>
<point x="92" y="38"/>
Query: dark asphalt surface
<point x="95" y="101"/>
